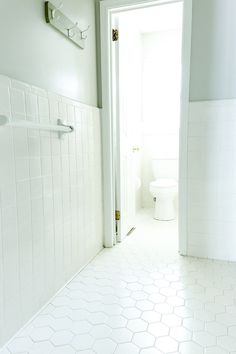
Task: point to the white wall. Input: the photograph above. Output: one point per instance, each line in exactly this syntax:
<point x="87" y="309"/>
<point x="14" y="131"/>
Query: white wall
<point x="50" y="200"/>
<point x="34" y="52"/>
<point x="160" y="102"/>
<point x="211" y="141"/>
<point x="212" y="180"/>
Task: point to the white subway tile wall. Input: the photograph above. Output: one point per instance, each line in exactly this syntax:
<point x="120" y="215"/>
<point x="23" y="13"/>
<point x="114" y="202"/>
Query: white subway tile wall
<point x="212" y="180"/>
<point x="50" y="199"/>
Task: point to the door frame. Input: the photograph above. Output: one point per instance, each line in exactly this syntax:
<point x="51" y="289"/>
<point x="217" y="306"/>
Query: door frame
<point x="107" y="9"/>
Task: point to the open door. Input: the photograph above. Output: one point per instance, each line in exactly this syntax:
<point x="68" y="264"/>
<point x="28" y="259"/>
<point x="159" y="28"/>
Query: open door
<point x="124" y="149"/>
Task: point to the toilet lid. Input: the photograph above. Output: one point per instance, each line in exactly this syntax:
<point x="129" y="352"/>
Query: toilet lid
<point x="164" y="183"/>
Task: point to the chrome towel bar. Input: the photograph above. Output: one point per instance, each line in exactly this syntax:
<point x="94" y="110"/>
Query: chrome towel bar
<point x="60" y="128"/>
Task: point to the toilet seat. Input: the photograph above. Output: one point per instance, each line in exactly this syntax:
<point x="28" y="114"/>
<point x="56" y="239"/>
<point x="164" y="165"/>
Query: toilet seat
<point x="164" y="183"/>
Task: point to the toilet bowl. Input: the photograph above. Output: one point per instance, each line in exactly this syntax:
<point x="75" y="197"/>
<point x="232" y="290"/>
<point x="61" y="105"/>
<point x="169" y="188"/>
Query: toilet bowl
<point x="164" y="192"/>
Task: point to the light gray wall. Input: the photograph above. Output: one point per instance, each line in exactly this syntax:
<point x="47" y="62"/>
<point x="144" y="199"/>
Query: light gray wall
<point x="213" y="64"/>
<point x="32" y="51"/>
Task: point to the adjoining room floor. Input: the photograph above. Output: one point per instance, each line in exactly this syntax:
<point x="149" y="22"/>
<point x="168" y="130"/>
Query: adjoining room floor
<point x="140" y="297"/>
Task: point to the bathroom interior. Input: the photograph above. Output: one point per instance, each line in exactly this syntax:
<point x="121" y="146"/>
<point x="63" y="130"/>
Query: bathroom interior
<point x="150" y="48"/>
<point x="63" y="288"/>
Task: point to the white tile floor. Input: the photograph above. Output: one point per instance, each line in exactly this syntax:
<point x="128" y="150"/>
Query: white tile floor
<point x="140" y="297"/>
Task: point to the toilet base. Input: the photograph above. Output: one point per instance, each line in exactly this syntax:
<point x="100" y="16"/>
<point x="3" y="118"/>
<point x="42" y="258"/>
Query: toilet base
<point x="164" y="209"/>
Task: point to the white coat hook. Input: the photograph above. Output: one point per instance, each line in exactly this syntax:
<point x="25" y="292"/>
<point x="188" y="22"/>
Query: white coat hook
<point x="54" y="11"/>
<point x="70" y="31"/>
<point x="83" y="33"/>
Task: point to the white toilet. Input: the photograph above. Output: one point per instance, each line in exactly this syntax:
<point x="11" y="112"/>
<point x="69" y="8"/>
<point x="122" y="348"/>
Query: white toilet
<point x="164" y="189"/>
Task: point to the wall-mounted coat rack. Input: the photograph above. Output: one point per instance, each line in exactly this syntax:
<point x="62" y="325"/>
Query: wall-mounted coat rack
<point x="62" y="23"/>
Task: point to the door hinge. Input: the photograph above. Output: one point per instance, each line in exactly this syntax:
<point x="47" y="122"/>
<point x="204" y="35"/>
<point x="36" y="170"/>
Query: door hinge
<point x="115" y="35"/>
<point x="117" y="216"/>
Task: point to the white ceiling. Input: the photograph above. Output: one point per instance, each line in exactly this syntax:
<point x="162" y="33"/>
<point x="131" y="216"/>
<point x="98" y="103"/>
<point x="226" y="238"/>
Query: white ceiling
<point x="155" y="18"/>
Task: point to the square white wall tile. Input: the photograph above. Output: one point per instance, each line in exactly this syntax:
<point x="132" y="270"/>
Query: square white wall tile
<point x="43" y="218"/>
<point x="211" y="179"/>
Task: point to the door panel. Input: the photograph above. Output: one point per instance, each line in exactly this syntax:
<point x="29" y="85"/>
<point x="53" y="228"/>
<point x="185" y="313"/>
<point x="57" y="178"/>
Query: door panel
<point x="124" y="159"/>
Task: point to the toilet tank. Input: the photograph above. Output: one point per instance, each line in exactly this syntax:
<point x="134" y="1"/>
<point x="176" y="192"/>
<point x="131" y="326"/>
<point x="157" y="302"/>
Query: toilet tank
<point x="165" y="168"/>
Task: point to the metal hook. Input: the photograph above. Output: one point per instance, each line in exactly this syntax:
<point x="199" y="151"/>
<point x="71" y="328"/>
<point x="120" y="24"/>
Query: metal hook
<point x="57" y="9"/>
<point x="84" y="36"/>
<point x="71" y="35"/>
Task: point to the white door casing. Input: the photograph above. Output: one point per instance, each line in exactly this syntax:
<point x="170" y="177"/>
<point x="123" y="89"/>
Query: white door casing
<point x="107" y="9"/>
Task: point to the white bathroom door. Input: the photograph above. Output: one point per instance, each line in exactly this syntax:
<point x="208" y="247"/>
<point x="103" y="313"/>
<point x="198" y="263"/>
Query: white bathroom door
<point x="124" y="151"/>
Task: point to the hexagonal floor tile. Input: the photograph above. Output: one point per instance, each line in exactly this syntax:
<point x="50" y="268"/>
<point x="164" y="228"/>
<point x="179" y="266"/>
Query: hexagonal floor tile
<point x="41" y="334"/>
<point x="6" y="351"/>
<point x="137" y="325"/>
<point x="193" y="324"/>
<point x="181" y="334"/>
<point x="139" y="295"/>
<point x="194" y="304"/>
<point x="166" y="344"/>
<point x="226" y="319"/>
<point x="19" y="345"/>
<point x="175" y="301"/>
<point x="204" y="315"/>
<point x="215" y="350"/>
<point x="150" y="351"/>
<point x="100" y="331"/>
<point x="59" y="324"/>
<point x="78" y="315"/>
<point x="146" y="281"/>
<point x="121" y="335"/>
<point x="215" y="308"/>
<point x="112" y="310"/>
<point x="205" y="339"/>
<point x="164" y="308"/>
<point x="134" y="287"/>
<point x="82" y="342"/>
<point x="97" y="318"/>
<point x="151" y="316"/>
<point x="42" y="347"/>
<point x="190" y="347"/>
<point x="62" y="338"/>
<point x="157" y="298"/>
<point x="168" y="291"/>
<point x="232" y="331"/>
<point x="145" y="305"/>
<point x="60" y="312"/>
<point x="171" y="320"/>
<point x="151" y="289"/>
<point x="127" y="348"/>
<point x="117" y="321"/>
<point x="63" y="350"/>
<point x="183" y="312"/>
<point x="104" y="346"/>
<point x="127" y="302"/>
<point x="131" y="313"/>
<point x="216" y="329"/>
<point x="81" y="327"/>
<point x="227" y="343"/>
<point x="158" y="329"/>
<point x="143" y="340"/>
